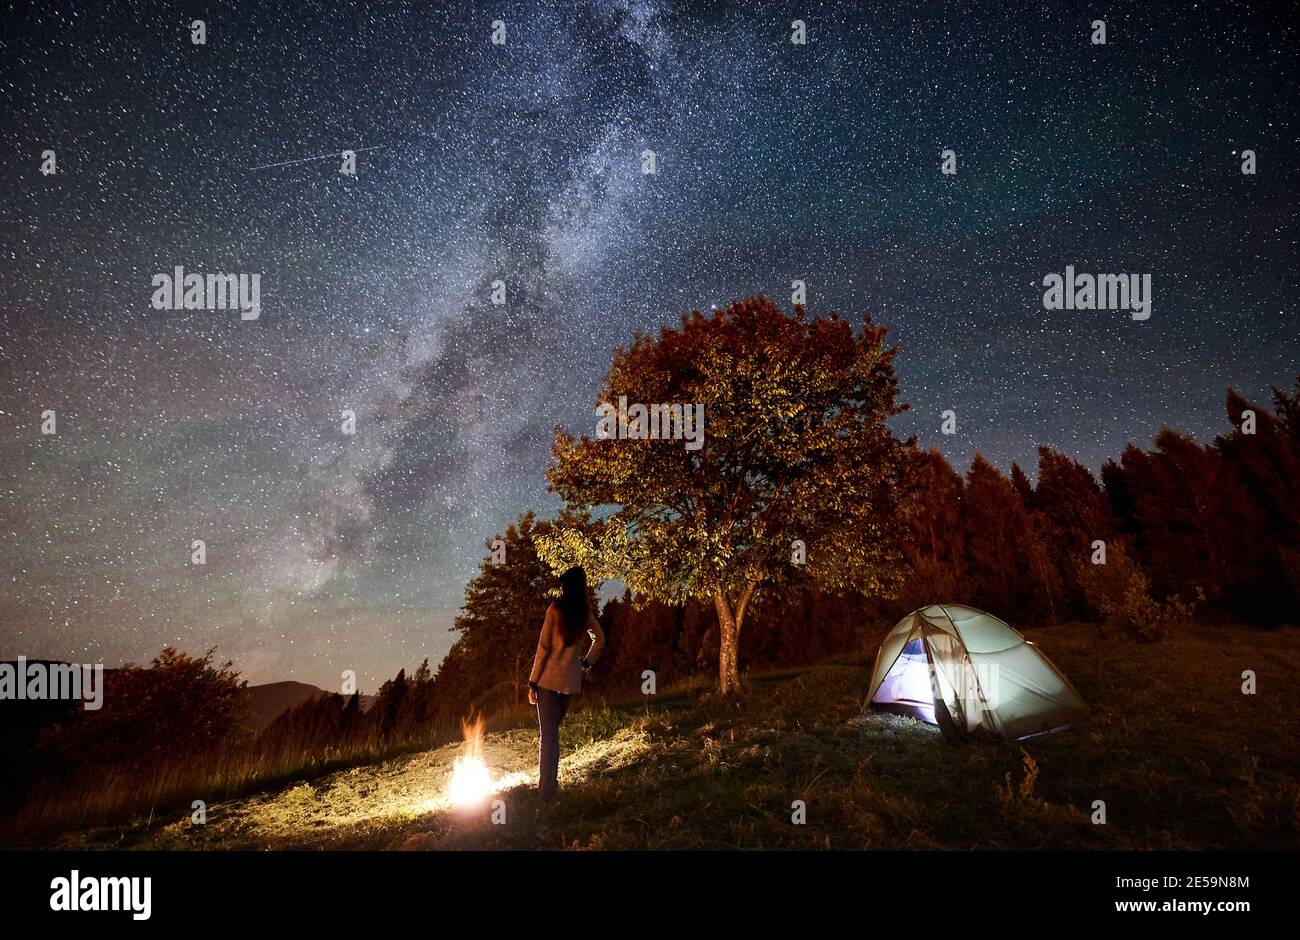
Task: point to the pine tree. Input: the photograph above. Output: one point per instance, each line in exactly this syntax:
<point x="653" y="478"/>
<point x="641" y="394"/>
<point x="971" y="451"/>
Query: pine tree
<point x="498" y="626"/>
<point x="1070" y="513"/>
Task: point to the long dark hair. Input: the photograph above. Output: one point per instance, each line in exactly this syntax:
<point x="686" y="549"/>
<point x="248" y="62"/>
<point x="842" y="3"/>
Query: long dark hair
<point x="573" y="605"/>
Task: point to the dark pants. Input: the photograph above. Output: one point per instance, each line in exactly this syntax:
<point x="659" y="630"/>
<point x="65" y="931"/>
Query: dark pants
<point x="551" y="707"/>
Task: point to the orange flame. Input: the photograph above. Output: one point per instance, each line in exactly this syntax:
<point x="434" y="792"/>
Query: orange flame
<point x="471" y="781"/>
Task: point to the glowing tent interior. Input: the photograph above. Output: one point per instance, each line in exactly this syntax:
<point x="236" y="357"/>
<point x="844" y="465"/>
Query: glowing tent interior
<point x="965" y="670"/>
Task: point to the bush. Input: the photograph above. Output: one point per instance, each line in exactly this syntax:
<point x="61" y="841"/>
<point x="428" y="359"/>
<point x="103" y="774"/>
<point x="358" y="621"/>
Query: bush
<point x="180" y="707"/>
<point x="1120" y="592"/>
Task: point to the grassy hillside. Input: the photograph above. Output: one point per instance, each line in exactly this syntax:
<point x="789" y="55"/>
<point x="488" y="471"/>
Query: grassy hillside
<point x="1180" y="756"/>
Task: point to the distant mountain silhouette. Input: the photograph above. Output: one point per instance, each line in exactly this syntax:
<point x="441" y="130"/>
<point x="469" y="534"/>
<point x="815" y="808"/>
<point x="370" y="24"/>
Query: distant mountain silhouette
<point x="265" y="703"/>
<point x="22" y="719"/>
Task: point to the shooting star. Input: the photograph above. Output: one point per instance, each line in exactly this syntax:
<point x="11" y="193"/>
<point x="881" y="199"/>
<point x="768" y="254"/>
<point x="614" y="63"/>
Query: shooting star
<point x="324" y="156"/>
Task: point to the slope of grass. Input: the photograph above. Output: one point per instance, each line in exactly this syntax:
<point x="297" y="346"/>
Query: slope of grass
<point x="1181" y="758"/>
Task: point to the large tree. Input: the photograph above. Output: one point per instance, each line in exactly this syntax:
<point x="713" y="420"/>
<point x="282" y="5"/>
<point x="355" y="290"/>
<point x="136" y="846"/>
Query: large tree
<point x="796" y="452"/>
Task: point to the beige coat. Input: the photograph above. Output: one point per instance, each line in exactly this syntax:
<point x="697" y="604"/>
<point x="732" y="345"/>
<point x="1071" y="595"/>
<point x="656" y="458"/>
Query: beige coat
<point x="557" y="667"/>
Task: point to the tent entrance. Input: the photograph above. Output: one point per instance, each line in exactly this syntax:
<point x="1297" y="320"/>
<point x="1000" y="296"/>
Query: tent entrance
<point x="906" y="689"/>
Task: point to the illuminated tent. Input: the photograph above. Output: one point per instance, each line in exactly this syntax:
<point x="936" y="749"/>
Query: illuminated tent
<point x="963" y="670"/>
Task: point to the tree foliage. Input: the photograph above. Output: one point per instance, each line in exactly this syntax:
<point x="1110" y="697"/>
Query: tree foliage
<point x="796" y="450"/>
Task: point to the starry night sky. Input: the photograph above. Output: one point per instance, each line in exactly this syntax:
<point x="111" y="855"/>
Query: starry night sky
<point x="775" y="162"/>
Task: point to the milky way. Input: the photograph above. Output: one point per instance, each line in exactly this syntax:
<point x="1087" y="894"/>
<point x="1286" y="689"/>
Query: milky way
<point x="522" y="163"/>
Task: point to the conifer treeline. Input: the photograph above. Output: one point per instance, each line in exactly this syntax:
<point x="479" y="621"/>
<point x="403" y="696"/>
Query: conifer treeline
<point x="1216" y="526"/>
<point x="401" y="714"/>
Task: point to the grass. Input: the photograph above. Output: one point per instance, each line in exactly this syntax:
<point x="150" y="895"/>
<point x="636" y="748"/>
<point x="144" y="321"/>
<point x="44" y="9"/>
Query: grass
<point x="1181" y="758"/>
<point x="91" y="796"/>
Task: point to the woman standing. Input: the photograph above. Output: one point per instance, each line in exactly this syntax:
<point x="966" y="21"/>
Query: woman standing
<point x="558" y="667"/>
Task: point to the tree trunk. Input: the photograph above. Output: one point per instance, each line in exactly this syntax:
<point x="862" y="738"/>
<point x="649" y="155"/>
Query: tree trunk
<point x="729" y="624"/>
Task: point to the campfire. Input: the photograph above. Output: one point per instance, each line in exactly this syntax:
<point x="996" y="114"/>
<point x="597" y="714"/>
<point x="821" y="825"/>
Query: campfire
<point x="471" y="781"/>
